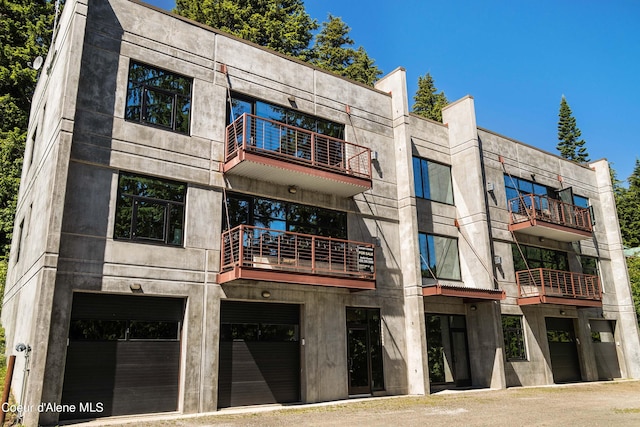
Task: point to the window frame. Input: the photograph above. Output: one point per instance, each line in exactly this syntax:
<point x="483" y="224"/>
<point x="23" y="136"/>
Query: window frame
<point x="508" y="333"/>
<point x="142" y="116"/>
<point x="529" y="252"/>
<point x="425" y="257"/>
<point x="422" y="188"/>
<point x="283" y="213"/>
<point x="135" y="199"/>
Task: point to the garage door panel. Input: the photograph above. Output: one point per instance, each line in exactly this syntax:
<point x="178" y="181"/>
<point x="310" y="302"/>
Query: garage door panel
<point x="261" y="369"/>
<point x="124" y="376"/>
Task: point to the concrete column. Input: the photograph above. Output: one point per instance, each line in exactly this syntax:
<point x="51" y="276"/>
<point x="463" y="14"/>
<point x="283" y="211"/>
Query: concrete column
<point x="627" y="324"/>
<point x="416" y="343"/>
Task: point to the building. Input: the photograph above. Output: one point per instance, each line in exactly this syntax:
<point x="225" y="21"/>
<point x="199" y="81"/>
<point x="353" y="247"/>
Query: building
<point x="203" y="223"/>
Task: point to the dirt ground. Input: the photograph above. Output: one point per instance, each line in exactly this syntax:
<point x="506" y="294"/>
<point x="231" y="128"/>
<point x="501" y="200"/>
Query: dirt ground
<point x="585" y="404"/>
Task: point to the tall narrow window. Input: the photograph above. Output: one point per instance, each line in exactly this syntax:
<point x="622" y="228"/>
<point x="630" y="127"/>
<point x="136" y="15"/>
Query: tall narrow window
<point x="158" y="97"/>
<point x="150" y="210"/>
<point x="439" y="257"/>
<point x="514" y="345"/>
<point x="432" y="181"/>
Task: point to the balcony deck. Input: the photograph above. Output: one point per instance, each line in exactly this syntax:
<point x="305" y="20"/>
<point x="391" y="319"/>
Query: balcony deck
<point x="255" y="253"/>
<point x="546" y="286"/>
<point x="545" y="217"/>
<point x="272" y="151"/>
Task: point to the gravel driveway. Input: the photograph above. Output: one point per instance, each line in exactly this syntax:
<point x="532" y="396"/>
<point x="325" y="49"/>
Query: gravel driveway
<point x="585" y="404"/>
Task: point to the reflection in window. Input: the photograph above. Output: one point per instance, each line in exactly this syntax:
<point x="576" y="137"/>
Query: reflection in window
<point x="158" y="97"/>
<point x="432" y="181"/>
<point x="258" y="332"/>
<point x="150" y="209"/>
<point x="539" y="258"/>
<point x="439" y="257"/>
<point x="286" y="216"/>
<point x="514" y="345"/>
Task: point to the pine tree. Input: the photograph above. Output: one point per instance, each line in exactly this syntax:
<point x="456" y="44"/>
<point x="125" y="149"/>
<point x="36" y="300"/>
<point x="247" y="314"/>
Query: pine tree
<point x="429" y="103"/>
<point x="332" y="51"/>
<point x="25" y="33"/>
<point x="281" y="25"/>
<point x="570" y="145"/>
<point x="628" y="206"/>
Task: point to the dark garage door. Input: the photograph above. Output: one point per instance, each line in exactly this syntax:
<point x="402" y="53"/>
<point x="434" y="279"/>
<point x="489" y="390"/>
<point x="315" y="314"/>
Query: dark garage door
<point x="563" y="350"/>
<point x="259" y="354"/>
<point x="123" y="355"/>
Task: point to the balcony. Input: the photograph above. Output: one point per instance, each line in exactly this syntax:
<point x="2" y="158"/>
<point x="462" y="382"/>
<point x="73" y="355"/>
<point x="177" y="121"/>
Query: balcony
<point x="272" y="151"/>
<point x="255" y="253"/>
<point x="545" y="286"/>
<point x="549" y="218"/>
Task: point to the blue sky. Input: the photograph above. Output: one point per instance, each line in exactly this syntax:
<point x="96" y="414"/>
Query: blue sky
<point x="517" y="59"/>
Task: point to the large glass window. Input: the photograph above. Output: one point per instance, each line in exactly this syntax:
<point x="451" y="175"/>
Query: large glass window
<point x="286" y="216"/>
<point x="432" y="180"/>
<point x="589" y="265"/>
<point x="150" y="209"/>
<point x="514" y="344"/>
<point x="539" y="258"/>
<point x="241" y="104"/>
<point x="439" y="257"/>
<point x="158" y="97"/>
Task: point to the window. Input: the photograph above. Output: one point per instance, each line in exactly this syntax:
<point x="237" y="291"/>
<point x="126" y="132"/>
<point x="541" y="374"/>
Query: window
<point x="241" y="104"/>
<point x="513" y="332"/>
<point x="285" y="216"/>
<point x="589" y="265"/>
<point x="439" y="257"/>
<point x="158" y="97"/>
<point x="517" y="187"/>
<point x="150" y="210"/>
<point x="432" y="181"/>
<point x="539" y="258"/>
<point x="580" y="201"/>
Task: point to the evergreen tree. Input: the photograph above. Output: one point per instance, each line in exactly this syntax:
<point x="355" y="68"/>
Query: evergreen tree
<point x="570" y="145"/>
<point x="429" y="103"/>
<point x="25" y="33"/>
<point x="633" y="265"/>
<point x="332" y="51"/>
<point x="281" y="25"/>
<point x="628" y="206"/>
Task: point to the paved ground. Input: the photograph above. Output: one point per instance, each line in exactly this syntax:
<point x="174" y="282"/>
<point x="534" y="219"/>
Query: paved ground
<point x="586" y="404"/>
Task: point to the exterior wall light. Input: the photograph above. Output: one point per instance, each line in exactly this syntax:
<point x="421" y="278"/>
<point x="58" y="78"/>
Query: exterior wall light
<point x="135" y="287"/>
<point x="293" y="189"/>
<point x="266" y="294"/>
<point x="473" y="308"/>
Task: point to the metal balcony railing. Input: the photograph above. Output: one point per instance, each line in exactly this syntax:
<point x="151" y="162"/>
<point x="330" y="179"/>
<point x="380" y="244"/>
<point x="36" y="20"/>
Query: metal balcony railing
<point x="555" y="283"/>
<point x="289" y="143"/>
<point x="262" y="248"/>
<point x="532" y="207"/>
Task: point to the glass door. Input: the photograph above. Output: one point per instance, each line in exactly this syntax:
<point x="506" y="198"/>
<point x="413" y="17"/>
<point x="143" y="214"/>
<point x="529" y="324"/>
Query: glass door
<point x="364" y="351"/>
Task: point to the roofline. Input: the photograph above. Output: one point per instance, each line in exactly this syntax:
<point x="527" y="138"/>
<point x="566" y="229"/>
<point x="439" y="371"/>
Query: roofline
<point x="255" y="45"/>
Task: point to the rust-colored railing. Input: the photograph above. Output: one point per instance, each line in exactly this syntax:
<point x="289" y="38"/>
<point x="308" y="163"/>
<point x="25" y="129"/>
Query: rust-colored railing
<point x="556" y="283"/>
<point x="543" y="208"/>
<point x="272" y="138"/>
<point x="255" y="247"/>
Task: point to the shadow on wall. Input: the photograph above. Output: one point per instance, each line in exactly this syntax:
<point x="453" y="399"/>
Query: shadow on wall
<point x="86" y="208"/>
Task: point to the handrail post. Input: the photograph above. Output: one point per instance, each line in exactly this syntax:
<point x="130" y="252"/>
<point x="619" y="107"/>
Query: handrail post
<point x="313" y="254"/>
<point x="541" y="272"/>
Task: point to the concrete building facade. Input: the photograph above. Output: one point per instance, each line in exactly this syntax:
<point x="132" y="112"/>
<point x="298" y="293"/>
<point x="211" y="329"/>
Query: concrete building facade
<point x="203" y="223"/>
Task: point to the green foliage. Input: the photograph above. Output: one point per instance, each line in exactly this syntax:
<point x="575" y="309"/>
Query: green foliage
<point x="332" y="51"/>
<point x="628" y="206"/>
<point x="633" y="264"/>
<point x="25" y="33"/>
<point x="429" y="103"/>
<point x="282" y="25"/>
<point x="570" y="145"/>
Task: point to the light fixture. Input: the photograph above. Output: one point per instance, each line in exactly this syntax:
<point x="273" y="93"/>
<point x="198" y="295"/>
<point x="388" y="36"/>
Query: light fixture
<point x="293" y="189"/>
<point x="135" y="287"/>
<point x="291" y="98"/>
<point x="562" y="312"/>
<point x="266" y="294"/>
<point x="473" y="308"/>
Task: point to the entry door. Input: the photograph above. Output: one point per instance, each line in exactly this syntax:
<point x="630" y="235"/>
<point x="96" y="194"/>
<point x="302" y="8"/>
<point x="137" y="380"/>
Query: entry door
<point x="563" y="350"/>
<point x="359" y="363"/>
<point x="364" y="351"/>
<point x="448" y="354"/>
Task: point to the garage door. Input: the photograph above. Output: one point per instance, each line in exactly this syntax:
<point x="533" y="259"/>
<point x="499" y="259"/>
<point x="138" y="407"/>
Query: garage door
<point x="123" y="355"/>
<point x="259" y="354"/>
<point x="563" y="350"/>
